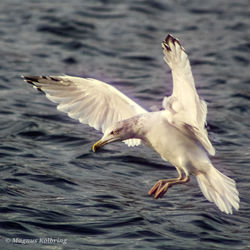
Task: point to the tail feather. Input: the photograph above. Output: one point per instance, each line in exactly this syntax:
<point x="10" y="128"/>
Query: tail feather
<point x="219" y="189"/>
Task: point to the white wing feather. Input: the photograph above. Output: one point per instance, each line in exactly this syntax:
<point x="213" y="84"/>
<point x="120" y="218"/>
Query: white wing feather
<point x="90" y="101"/>
<point x="185" y="106"/>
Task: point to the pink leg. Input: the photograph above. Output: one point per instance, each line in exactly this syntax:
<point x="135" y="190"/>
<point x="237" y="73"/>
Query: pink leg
<point x="161" y="186"/>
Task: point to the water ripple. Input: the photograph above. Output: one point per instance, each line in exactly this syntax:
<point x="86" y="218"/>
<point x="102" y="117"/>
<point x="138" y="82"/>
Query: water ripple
<point x="53" y="185"/>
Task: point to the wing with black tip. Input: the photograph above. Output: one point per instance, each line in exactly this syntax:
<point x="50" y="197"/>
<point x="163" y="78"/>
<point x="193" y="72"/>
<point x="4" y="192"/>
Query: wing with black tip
<point x="185" y="106"/>
<point x="90" y="101"/>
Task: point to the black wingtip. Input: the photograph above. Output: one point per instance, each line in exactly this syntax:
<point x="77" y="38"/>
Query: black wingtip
<point x="171" y="39"/>
<point x="30" y="78"/>
<point x="165" y="46"/>
<point x="33" y="80"/>
<point x="168" y="40"/>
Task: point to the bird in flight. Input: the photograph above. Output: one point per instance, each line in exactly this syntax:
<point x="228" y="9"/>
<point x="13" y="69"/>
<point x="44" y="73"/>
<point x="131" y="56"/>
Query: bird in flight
<point x="177" y="132"/>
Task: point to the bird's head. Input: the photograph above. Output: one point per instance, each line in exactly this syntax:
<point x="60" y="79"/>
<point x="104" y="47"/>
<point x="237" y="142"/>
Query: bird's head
<point x="119" y="132"/>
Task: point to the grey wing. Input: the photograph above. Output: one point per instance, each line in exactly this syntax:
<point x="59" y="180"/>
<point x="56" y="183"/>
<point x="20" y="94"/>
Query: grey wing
<point x="90" y="101"/>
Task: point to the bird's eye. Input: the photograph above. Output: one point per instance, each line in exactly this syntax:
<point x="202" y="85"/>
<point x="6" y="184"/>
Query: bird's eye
<point x="114" y="132"/>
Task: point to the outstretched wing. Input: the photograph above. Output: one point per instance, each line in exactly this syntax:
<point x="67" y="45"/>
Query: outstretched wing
<point x="186" y="108"/>
<point x="88" y="100"/>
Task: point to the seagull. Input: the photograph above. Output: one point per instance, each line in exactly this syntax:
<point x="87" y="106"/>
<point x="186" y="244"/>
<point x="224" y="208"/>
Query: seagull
<point x="177" y="132"/>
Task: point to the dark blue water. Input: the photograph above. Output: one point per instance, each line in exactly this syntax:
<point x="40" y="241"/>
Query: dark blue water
<point x="56" y="193"/>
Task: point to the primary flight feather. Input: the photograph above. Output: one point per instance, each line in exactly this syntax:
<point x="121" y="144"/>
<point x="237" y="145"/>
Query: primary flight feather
<point x="177" y="132"/>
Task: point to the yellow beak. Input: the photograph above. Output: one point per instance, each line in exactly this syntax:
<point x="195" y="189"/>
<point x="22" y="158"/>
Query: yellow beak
<point x="97" y="145"/>
<point x="103" y="141"/>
